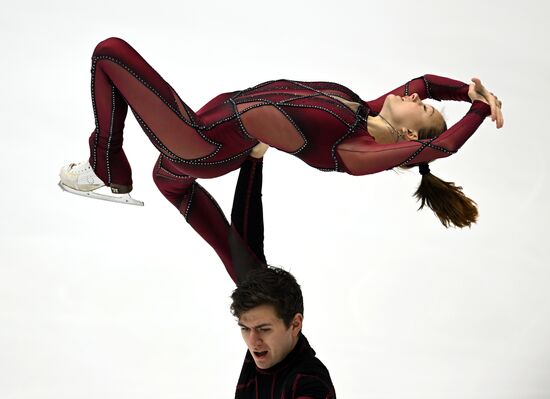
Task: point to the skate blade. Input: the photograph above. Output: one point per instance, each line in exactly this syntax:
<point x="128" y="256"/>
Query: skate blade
<point x="121" y="199"/>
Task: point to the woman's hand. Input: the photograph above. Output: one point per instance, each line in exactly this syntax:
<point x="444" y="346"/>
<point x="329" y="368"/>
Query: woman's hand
<point x="259" y="150"/>
<point x="477" y="91"/>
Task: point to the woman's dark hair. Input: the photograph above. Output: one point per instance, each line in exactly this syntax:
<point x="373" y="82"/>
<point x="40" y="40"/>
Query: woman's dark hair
<point x="268" y="286"/>
<point x="446" y="199"/>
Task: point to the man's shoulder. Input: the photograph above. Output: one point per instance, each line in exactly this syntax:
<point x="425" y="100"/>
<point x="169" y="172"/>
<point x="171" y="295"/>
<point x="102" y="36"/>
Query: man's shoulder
<point x="309" y="377"/>
<point x="310" y="363"/>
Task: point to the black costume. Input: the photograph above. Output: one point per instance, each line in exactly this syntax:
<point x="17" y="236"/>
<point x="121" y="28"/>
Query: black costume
<point x="300" y="375"/>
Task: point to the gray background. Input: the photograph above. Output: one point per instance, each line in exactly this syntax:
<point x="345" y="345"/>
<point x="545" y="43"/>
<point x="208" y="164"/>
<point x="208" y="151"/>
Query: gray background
<point x="101" y="300"/>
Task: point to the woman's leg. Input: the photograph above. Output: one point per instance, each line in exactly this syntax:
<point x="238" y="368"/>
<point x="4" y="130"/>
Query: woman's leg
<point x="239" y="246"/>
<point x="121" y="77"/>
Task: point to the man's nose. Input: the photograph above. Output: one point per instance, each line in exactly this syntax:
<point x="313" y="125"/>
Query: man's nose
<point x="255" y="338"/>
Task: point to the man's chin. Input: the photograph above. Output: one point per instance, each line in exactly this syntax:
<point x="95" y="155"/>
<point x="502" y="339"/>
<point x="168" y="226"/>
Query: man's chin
<point x="262" y="360"/>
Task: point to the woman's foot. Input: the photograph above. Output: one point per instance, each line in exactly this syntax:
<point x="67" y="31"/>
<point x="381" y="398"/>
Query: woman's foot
<point x="80" y="179"/>
<point x="80" y="176"/>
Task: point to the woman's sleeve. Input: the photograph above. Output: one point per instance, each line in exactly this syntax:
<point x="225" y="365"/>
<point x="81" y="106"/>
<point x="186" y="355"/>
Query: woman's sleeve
<point x="427" y="86"/>
<point x="359" y="155"/>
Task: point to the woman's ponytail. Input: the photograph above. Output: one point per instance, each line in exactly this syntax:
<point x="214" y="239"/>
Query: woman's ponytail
<point x="447" y="201"/>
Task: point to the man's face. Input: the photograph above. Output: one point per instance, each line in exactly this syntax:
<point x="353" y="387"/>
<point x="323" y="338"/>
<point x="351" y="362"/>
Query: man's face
<point x="268" y="339"/>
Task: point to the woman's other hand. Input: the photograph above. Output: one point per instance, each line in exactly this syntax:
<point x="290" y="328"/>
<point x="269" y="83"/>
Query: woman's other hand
<point x="477" y="91"/>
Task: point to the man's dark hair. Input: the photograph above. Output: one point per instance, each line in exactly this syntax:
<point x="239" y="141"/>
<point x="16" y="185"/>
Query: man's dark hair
<point x="269" y="286"/>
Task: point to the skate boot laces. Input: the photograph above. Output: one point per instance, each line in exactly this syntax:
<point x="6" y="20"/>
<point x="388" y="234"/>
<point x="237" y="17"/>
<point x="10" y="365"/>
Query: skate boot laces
<point x="80" y="176"/>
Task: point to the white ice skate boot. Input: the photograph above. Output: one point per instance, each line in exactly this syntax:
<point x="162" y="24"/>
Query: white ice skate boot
<point x="80" y="179"/>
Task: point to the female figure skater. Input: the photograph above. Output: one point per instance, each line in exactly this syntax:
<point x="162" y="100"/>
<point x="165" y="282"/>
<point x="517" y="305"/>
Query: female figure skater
<point x="326" y="125"/>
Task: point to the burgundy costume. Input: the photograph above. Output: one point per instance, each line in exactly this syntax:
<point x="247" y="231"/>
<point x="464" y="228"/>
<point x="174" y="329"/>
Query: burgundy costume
<point x="301" y="118"/>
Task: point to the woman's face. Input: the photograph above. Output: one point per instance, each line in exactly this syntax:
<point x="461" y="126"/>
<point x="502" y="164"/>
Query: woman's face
<point x="410" y="112"/>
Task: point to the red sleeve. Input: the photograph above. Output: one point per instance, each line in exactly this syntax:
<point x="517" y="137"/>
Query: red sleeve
<point x="360" y="155"/>
<point x="427" y="86"/>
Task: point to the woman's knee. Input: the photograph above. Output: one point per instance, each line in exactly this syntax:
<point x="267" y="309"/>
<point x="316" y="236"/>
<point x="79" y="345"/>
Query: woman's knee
<point x="110" y="46"/>
<point x="174" y="187"/>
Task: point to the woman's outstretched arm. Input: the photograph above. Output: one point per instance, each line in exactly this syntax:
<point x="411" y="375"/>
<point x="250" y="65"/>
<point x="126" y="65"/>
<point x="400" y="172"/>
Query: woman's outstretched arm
<point x="427" y="86"/>
<point x="359" y="155"/>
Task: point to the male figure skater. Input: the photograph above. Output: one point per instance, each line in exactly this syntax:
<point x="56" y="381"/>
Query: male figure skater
<point x="268" y="305"/>
<point x="279" y="363"/>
